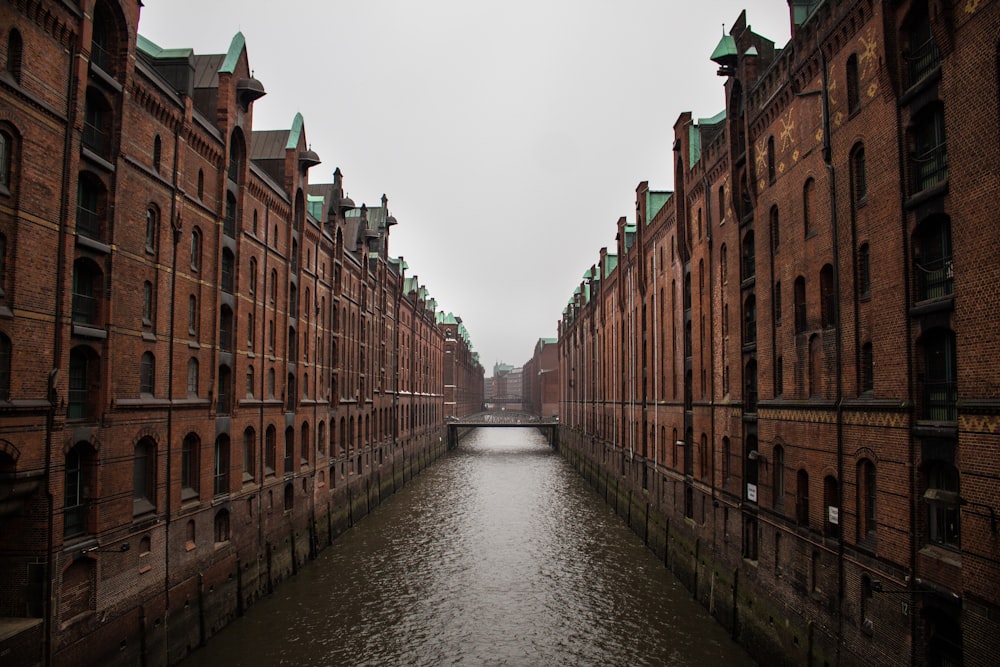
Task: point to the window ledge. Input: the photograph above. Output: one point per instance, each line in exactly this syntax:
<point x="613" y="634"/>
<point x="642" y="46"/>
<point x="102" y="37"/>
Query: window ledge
<point x="925" y="195"/>
<point x="928" y="306"/>
<point x="85" y="331"/>
<point x="92" y="244"/>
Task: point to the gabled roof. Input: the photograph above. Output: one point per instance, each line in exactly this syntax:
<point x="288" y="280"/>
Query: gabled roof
<point x="268" y="144"/>
<point x="656" y="200"/>
<point x="233" y="55"/>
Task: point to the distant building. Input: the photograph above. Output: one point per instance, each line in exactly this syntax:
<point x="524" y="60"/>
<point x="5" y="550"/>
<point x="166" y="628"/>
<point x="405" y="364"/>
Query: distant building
<point x="541" y="379"/>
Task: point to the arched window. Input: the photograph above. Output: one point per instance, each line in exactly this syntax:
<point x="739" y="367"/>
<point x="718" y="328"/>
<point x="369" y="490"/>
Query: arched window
<point x="15" y="54"/>
<point x="147" y="374"/>
<point x="222" y="526"/>
<point x="750" y="320"/>
<point x="195" y="249"/>
<point x="253" y="275"/>
<point x="859" y="179"/>
<point x="274" y="285"/>
<point x="220" y="469"/>
<point x="270" y="450"/>
<point x="97" y="124"/>
<point x="724" y="264"/>
<point x="249" y="454"/>
<point x="157" y="153"/>
<point x="853" y="90"/>
<point x="867" y="523"/>
<point x="808" y="205"/>
<point x="152" y="224"/>
<point x="144" y="477"/>
<point x="270" y="383"/>
<point x="201" y="184"/>
<point x="250" y="381"/>
<point x="192" y="377"/>
<point x="190" y="466"/>
<point x="104" y="42"/>
<point x="290" y="388"/>
<point x="321" y="438"/>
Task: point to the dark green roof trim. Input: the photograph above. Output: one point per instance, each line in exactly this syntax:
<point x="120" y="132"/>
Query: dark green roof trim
<point x="233" y="54"/>
<point x="154" y="51"/>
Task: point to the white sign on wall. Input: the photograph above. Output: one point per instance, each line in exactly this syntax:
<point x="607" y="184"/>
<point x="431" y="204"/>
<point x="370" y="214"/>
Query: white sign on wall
<point x="752" y="492"/>
<point x="834" y="514"/>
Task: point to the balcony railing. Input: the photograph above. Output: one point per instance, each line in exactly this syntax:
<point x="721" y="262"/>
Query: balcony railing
<point x="940" y="400"/>
<point x="935" y="278"/>
<point x="96" y="138"/>
<point x="930" y="167"/>
<point x="923" y="56"/>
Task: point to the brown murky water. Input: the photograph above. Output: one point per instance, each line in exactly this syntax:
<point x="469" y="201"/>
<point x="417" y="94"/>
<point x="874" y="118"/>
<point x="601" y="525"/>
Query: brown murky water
<point x="499" y="554"/>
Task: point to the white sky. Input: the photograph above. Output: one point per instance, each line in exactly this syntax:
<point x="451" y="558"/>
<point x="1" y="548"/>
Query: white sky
<point x="509" y="136"/>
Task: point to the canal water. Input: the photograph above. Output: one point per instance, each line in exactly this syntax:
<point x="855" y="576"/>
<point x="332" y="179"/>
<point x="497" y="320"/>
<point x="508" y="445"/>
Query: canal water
<point x="498" y="554"/>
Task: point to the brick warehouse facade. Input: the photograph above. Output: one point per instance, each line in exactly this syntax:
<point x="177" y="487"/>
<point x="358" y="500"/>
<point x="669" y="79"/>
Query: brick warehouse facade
<point x="540" y="380"/>
<point x="209" y="365"/>
<point x="783" y="376"/>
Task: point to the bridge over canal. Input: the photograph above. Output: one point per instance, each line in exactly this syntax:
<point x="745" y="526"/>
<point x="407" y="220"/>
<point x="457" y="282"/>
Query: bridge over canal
<point x="503" y="419"/>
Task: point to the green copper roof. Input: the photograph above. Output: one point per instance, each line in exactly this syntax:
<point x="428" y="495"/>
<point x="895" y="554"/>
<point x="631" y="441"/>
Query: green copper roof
<point x="315" y="205"/>
<point x="295" y="132"/>
<point x="713" y="120"/>
<point x="655" y="200"/>
<point x="694" y="145"/>
<point x="610" y="264"/>
<point x="233" y="54"/>
<point x="725" y="48"/>
<point x="155" y="51"/>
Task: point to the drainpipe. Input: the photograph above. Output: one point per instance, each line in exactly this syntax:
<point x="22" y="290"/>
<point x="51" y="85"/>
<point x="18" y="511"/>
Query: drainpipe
<point x="175" y="228"/>
<point x="838" y="347"/>
<point x="57" y="347"/>
<point x="711" y="347"/>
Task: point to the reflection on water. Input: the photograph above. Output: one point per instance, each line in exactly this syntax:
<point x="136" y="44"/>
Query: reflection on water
<point x="499" y="554"/>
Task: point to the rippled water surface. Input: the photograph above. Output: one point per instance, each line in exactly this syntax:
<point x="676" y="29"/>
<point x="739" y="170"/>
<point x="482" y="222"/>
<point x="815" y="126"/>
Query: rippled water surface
<point x="499" y="554"/>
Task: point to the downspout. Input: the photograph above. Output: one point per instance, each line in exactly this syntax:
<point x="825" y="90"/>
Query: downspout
<point x="711" y="346"/>
<point x="262" y="462"/>
<point x="175" y="228"/>
<point x="838" y="346"/>
<point x="57" y="348"/>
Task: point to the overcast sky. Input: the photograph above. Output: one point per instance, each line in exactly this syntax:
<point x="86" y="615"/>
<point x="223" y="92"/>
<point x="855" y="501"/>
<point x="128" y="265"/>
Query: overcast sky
<point x="508" y="136"/>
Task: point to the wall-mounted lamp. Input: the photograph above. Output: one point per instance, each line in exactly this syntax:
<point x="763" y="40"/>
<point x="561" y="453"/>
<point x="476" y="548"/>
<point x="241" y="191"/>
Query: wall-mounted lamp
<point x="754" y="455"/>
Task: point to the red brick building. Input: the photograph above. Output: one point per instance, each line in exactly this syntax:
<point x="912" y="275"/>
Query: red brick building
<point x="209" y="365"/>
<point x="541" y="379"/>
<point x="783" y="369"/>
<point x="463" y="374"/>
